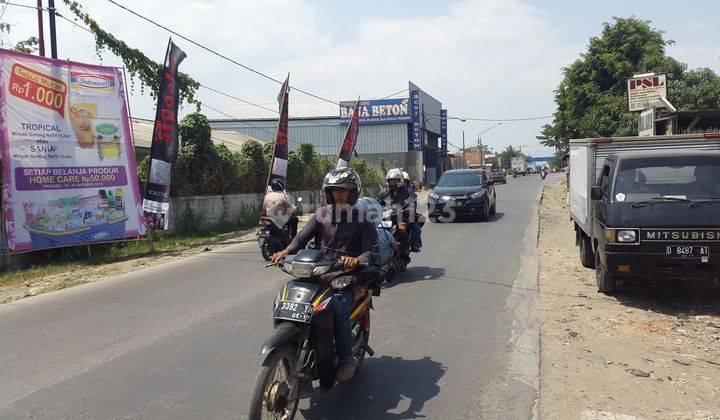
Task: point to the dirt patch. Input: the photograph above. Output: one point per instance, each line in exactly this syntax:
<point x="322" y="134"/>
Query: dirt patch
<point x="650" y="351"/>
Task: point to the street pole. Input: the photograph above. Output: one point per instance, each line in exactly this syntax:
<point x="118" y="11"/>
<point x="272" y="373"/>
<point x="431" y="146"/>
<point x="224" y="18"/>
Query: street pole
<point x="482" y="155"/>
<point x="53" y="35"/>
<point x="463" y="143"/>
<point x="41" y="33"/>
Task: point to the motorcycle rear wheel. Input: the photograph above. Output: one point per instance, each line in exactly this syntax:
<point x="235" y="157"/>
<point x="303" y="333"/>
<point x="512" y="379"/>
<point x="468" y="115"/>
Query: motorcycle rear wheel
<point x="276" y="397"/>
<point x="267" y="248"/>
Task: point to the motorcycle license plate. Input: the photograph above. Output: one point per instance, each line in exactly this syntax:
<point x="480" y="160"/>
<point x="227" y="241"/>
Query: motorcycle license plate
<point x="687" y="251"/>
<point x="263" y="234"/>
<point x="293" y="311"/>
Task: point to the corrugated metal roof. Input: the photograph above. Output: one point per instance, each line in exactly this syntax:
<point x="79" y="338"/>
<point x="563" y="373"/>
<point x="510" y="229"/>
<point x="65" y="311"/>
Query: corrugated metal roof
<point x="143" y="129"/>
<point x="295" y="110"/>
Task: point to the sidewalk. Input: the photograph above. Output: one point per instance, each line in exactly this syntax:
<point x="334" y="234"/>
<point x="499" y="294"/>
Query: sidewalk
<point x="650" y="351"/>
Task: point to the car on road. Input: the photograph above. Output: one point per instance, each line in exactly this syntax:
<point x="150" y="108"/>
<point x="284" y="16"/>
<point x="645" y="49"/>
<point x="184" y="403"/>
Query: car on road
<point x="498" y="176"/>
<point x="463" y="191"/>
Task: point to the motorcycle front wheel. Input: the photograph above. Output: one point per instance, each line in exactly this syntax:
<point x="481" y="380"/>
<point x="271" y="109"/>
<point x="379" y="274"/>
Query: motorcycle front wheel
<point x="275" y="393"/>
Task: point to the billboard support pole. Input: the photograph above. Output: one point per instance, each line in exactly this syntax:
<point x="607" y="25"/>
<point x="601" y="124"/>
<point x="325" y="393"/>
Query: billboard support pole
<point x="41" y="32"/>
<point x="6" y="248"/>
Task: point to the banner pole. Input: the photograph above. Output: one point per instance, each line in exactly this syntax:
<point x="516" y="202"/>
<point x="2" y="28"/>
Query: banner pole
<point x="148" y="227"/>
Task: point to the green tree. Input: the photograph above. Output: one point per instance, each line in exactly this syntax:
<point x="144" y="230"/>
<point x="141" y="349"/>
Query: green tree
<point x="138" y="65"/>
<point x="507" y="154"/>
<point x="592" y="97"/>
<point x="28" y="46"/>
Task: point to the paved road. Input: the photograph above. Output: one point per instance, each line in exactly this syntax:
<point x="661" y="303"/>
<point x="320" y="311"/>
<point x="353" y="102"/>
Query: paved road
<point x="454" y="338"/>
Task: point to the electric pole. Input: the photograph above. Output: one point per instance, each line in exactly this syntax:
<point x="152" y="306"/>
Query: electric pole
<point x="53" y="35"/>
<point x="41" y="33"/>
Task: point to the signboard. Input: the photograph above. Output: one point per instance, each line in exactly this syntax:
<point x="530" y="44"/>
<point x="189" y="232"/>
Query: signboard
<point x="443" y="129"/>
<point x="415" y="132"/>
<point x="646" y="123"/>
<point x="68" y="163"/>
<point x="643" y="91"/>
<point x="378" y="111"/>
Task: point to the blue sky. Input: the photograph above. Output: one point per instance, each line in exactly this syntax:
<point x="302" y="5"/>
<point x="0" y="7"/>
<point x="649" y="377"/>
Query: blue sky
<point x="481" y="58"/>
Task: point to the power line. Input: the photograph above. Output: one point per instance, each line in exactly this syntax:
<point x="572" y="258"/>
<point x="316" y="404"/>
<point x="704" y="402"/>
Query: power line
<point x="210" y="50"/>
<point x="496" y="119"/>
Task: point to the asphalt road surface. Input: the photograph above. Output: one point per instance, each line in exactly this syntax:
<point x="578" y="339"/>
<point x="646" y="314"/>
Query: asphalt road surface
<point x="455" y="337"/>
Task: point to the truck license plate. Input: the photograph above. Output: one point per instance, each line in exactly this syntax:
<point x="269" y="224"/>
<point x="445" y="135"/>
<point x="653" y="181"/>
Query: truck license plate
<point x="687" y="251"/>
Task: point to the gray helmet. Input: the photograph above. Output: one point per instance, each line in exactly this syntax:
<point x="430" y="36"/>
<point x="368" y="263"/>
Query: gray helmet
<point x="345" y="178"/>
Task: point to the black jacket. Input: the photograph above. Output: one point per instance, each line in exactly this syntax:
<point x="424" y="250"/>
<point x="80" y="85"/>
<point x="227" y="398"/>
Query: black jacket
<point x="401" y="196"/>
<point x="339" y="233"/>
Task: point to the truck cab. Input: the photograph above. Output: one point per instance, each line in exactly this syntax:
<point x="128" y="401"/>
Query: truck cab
<point x="656" y="214"/>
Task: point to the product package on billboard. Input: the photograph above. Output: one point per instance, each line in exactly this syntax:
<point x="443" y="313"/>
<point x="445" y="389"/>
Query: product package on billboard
<point x="164" y="147"/>
<point x="69" y="170"/>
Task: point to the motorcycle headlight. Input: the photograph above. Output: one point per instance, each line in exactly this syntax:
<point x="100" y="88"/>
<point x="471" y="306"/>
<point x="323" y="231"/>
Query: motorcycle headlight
<point x="302" y="269"/>
<point x="478" y="194"/>
<point x="434" y="196"/>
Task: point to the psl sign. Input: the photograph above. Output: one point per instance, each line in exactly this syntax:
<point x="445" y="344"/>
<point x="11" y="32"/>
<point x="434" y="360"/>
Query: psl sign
<point x="645" y="90"/>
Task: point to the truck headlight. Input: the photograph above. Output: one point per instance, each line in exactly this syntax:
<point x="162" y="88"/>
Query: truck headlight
<point x="626" y="235"/>
<point x="621" y="236"/>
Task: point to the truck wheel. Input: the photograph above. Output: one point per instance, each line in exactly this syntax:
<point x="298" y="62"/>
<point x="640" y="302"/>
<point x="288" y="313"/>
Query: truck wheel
<point x="606" y="282"/>
<point x="587" y="257"/>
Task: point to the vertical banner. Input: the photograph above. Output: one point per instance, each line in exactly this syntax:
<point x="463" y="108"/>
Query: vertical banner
<point x="350" y="140"/>
<point x="415" y="134"/>
<point x="164" y="148"/>
<point x="278" y="166"/>
<point x="443" y="130"/>
<point x="68" y="162"/>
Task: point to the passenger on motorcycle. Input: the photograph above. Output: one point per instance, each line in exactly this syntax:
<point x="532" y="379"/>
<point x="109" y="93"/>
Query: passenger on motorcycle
<point x="341" y="232"/>
<point x="278" y="206"/>
<point x="400" y="195"/>
<point x="417" y="224"/>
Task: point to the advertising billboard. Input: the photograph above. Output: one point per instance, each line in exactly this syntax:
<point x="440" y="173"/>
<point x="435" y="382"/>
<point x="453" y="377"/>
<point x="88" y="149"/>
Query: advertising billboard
<point x="377" y="111"/>
<point x="643" y="91"/>
<point x="68" y="163"/>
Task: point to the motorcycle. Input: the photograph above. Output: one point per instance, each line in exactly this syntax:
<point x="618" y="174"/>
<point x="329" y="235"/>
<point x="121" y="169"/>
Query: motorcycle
<point x="301" y="348"/>
<point x="272" y="237"/>
<point x="514" y="174"/>
<point x="399" y="260"/>
<point x="543" y="173"/>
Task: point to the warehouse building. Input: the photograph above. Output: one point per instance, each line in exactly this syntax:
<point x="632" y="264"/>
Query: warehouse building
<point x="408" y="132"/>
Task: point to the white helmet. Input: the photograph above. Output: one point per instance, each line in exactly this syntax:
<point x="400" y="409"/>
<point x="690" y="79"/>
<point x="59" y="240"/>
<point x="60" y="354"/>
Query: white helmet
<point x="395" y="173"/>
<point x="406" y="177"/>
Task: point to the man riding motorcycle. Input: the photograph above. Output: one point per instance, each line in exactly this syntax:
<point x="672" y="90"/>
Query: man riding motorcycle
<point x="417" y="224"/>
<point x="401" y="195"/>
<point x="340" y="231"/>
<point x="277" y="205"/>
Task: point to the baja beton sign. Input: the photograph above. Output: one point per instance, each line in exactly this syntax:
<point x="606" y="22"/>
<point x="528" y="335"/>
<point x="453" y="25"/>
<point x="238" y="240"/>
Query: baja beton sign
<point x="68" y="163"/>
<point x="377" y="111"/>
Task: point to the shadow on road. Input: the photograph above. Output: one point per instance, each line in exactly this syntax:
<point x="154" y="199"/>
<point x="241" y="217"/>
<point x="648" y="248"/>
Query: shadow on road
<point x="672" y="297"/>
<point x="385" y="388"/>
<point x="416" y="273"/>
<point x="464" y="218"/>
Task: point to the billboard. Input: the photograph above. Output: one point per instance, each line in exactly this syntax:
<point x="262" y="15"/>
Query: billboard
<point x="377" y="111"/>
<point x="68" y="162"/>
<point x="415" y="133"/>
<point x="643" y="91"/>
<point x="443" y="130"/>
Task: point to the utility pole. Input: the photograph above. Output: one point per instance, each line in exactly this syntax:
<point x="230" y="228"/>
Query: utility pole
<point x="53" y="35"/>
<point x="41" y="34"/>
<point x="463" y="143"/>
<point x="482" y="155"/>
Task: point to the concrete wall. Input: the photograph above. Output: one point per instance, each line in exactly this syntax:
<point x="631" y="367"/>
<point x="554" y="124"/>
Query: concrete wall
<point x="410" y="162"/>
<point x="227" y="208"/>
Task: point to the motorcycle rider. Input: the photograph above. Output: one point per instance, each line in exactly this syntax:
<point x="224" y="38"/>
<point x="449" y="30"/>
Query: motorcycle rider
<point x="341" y="232"/>
<point x="401" y="195"/>
<point x="277" y="206"/>
<point x="417" y="224"/>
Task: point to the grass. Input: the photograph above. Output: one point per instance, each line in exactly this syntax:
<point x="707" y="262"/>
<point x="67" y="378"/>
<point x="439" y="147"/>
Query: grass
<point x="68" y="260"/>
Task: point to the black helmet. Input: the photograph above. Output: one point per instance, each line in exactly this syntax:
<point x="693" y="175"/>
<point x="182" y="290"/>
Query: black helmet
<point x="277" y="184"/>
<point x="345" y="178"/>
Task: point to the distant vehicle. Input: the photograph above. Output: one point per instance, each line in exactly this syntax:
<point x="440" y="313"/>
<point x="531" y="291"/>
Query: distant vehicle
<point x="464" y="191"/>
<point x="647" y="207"/>
<point x="498" y="176"/>
<point x="518" y="166"/>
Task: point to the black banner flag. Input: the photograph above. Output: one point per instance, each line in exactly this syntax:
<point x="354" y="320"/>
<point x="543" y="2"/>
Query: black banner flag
<point x="164" y="148"/>
<point x="351" y="134"/>
<point x="278" y="166"/>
